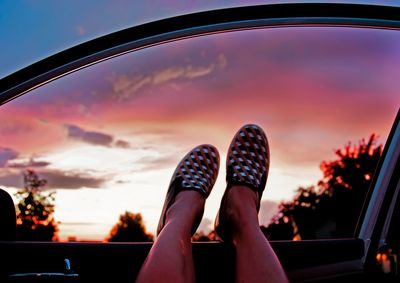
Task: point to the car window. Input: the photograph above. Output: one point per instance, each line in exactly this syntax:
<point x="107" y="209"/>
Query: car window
<point x="92" y="153"/>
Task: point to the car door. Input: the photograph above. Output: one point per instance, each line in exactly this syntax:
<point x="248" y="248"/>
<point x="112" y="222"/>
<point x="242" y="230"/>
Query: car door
<point x="73" y="75"/>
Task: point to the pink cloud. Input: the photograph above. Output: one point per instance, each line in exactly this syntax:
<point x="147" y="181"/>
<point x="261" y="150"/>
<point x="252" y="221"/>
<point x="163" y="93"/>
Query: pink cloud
<point x="31" y="163"/>
<point x="309" y="93"/>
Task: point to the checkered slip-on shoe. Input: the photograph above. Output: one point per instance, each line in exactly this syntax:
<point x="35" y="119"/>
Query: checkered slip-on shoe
<point x="247" y="164"/>
<point x="197" y="171"/>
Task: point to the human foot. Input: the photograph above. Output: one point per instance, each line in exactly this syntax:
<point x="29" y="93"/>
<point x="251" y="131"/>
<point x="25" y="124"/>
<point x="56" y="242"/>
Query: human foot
<point x="247" y="171"/>
<point x="196" y="172"/>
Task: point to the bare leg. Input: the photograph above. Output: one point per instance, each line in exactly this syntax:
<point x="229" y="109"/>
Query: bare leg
<point x="170" y="259"/>
<point x="255" y="259"/>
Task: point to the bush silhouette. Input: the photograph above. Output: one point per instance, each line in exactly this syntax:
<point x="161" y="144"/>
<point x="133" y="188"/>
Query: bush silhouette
<point x="332" y="207"/>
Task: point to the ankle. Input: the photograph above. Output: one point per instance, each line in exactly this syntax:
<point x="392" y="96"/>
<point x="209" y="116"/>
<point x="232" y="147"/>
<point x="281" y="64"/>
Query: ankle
<point x="241" y="204"/>
<point x="186" y="210"/>
<point x="240" y="211"/>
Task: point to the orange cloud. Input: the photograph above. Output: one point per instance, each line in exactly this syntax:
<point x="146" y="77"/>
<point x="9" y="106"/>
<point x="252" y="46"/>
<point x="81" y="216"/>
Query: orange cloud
<point x="126" y="86"/>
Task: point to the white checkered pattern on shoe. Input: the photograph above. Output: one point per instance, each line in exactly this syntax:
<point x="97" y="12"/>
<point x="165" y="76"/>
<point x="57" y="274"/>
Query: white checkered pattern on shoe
<point x="199" y="169"/>
<point x="248" y="156"/>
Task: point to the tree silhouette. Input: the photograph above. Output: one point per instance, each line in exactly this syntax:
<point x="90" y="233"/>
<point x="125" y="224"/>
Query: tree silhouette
<point x="35" y="208"/>
<point x="330" y="209"/>
<point x="129" y="228"/>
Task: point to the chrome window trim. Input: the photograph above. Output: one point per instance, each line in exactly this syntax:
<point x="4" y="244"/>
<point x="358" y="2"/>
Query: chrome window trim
<point x="380" y="189"/>
<point x="388" y="221"/>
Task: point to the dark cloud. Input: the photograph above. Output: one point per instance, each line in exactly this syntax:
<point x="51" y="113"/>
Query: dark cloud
<point x="96" y="138"/>
<point x="7" y="154"/>
<point x="28" y="164"/>
<point x="71" y="180"/>
<point x="92" y="137"/>
<point x="267" y="210"/>
<point x="57" y="179"/>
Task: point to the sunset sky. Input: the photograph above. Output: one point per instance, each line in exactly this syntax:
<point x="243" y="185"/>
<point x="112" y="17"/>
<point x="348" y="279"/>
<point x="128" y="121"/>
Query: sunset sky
<point x="108" y="137"/>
